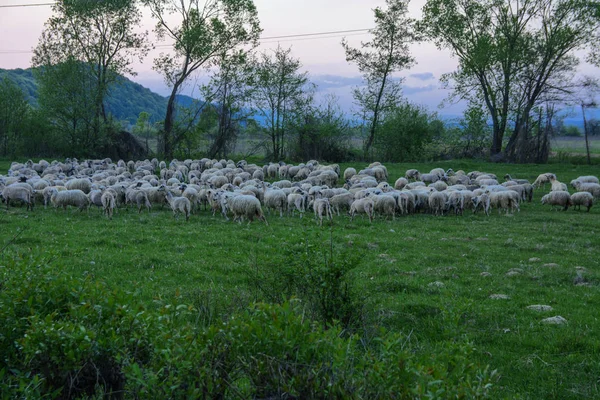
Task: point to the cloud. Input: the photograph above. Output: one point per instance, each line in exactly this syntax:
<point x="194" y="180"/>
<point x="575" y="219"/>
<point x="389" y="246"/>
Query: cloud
<point x="425" y="76"/>
<point x="408" y="90"/>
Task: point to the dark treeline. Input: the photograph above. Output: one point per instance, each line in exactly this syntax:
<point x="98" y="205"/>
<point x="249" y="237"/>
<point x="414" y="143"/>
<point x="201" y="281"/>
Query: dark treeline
<point x="517" y="64"/>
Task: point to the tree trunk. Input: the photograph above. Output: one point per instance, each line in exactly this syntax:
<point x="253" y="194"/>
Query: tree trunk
<point x="585" y="131"/>
<point x="167" y="133"/>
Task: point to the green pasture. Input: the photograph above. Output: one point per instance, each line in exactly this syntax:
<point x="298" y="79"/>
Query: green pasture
<point x="427" y="277"/>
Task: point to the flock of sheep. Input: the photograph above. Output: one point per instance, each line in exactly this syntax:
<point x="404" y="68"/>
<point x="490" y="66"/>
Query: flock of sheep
<point x="243" y="190"/>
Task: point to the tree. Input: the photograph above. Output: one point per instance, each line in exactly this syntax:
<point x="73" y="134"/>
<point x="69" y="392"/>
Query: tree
<point x="207" y="29"/>
<point x="586" y="98"/>
<point x="322" y="132"/>
<point x="66" y="97"/>
<point x="378" y="59"/>
<point x="143" y="127"/>
<point x="404" y="133"/>
<point x="280" y="92"/>
<point x="100" y="35"/>
<point x="14" y="111"/>
<point x="513" y="56"/>
<point x="228" y="93"/>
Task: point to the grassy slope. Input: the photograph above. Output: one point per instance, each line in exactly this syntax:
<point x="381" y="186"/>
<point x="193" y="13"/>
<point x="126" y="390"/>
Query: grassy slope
<point x="160" y="256"/>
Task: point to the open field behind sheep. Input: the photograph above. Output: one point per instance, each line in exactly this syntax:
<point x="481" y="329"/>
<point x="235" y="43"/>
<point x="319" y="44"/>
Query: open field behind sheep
<point x="431" y="278"/>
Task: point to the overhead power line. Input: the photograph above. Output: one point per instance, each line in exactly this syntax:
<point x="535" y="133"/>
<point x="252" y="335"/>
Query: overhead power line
<point x="269" y="39"/>
<point x="26" y="5"/>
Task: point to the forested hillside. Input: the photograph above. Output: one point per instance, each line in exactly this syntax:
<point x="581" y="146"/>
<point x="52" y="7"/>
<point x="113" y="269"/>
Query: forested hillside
<point x="125" y="102"/>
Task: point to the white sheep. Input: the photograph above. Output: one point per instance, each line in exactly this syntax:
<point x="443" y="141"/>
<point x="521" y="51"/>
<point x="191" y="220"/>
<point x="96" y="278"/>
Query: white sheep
<point x="297" y="201"/>
<point x="245" y="206"/>
<point x="75" y="198"/>
<point x="341" y="201"/>
<point x="582" y="199"/>
<point x="108" y="203"/>
<point x="412" y="174"/>
<point x="558" y="198"/>
<point x="556" y="185"/>
<point x="179" y="205"/>
<point x="585" y="179"/>
<point x="18" y="193"/>
<point x="542" y="179"/>
<point x="275" y="199"/>
<point x="362" y="206"/>
<point x="437" y="202"/>
<point x="592" y="188"/>
<point x="385" y="205"/>
<point x="83" y="184"/>
<point x="349" y="173"/>
<point x="400" y="183"/>
<point x="482" y="201"/>
<point x="322" y="208"/>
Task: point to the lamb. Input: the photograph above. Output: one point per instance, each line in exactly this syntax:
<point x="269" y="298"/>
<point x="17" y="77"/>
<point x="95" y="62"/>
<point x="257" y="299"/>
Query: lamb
<point x="179" y="205"/>
<point x="558" y="198"/>
<point x="322" y="208"/>
<point x="556" y="185"/>
<point x="361" y="206"/>
<point x="108" y="203"/>
<point x="542" y="179"/>
<point x="75" y="198"/>
<point x="245" y="206"/>
<point x="19" y="193"/>
<point x="582" y="199"/>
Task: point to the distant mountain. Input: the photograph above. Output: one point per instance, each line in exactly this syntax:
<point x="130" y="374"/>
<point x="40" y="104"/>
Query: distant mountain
<point x="126" y="100"/>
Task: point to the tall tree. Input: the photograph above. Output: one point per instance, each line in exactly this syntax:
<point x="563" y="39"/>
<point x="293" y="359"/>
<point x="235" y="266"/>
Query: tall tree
<point x="13" y="114"/>
<point x="513" y="56"/>
<point x="281" y="90"/>
<point x="378" y="59"/>
<point x="100" y="34"/>
<point x="202" y="30"/>
<point x="67" y="96"/>
<point x="229" y="92"/>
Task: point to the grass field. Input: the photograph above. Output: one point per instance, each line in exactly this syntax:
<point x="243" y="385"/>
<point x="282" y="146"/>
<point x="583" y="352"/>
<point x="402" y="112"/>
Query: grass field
<point x="401" y="263"/>
<point x="575" y="145"/>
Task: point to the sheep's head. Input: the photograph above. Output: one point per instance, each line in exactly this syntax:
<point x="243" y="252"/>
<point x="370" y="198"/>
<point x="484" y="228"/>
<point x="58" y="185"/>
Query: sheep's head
<point x="545" y="199"/>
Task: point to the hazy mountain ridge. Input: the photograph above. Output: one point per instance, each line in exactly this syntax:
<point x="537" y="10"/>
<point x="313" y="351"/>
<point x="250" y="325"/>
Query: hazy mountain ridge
<point x="125" y="102"/>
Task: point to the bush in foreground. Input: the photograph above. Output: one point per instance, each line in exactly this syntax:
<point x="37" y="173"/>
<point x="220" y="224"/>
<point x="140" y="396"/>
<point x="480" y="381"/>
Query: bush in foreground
<point x="74" y="337"/>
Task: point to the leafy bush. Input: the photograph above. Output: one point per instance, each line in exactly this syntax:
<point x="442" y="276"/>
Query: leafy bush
<point x="74" y="337"/>
<point x="318" y="275"/>
<point x="405" y="133"/>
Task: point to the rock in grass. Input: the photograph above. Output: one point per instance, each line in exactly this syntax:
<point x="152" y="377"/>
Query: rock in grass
<point x="580" y="269"/>
<point x="550" y="265"/>
<point x="485" y="273"/>
<point x="540" y="307"/>
<point x="557" y="320"/>
<point x="514" y="272"/>
<point x="499" y="297"/>
<point x="436" y="284"/>
<point x="534" y="259"/>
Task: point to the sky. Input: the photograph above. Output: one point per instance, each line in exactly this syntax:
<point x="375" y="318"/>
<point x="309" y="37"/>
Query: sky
<point x="323" y="57"/>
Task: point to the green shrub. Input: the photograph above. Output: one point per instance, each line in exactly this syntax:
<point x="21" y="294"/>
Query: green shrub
<point x="74" y="337"/>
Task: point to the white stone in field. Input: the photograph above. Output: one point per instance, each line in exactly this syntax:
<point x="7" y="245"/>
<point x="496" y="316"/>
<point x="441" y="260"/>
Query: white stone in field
<point x="534" y="259"/>
<point x="436" y="284"/>
<point x="550" y="265"/>
<point x="499" y="297"/>
<point x="514" y="272"/>
<point x="540" y="307"/>
<point x="581" y="269"/>
<point x="485" y="273"/>
<point x="558" y="320"/>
